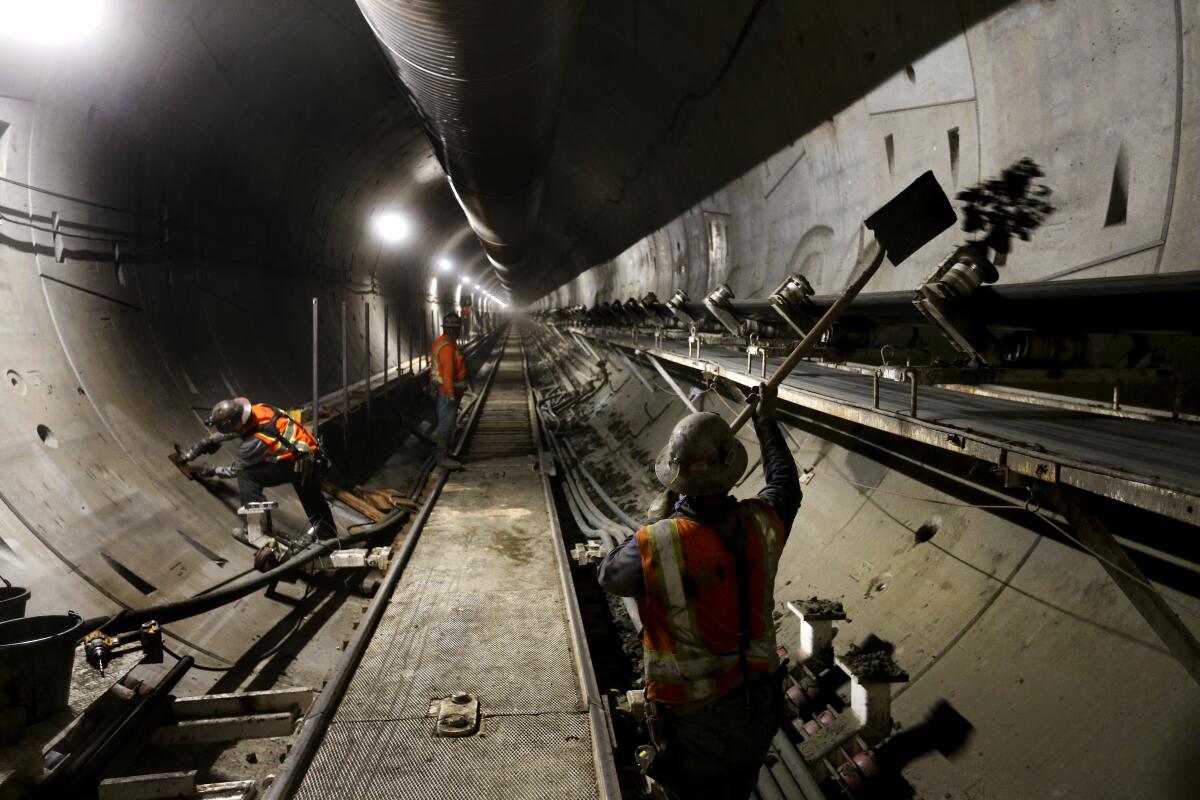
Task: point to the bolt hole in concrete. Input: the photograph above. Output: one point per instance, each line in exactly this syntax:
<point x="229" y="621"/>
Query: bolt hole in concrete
<point x="928" y="529"/>
<point x="910" y="73"/>
<point x="16" y="381"/>
<point x="47" y="436"/>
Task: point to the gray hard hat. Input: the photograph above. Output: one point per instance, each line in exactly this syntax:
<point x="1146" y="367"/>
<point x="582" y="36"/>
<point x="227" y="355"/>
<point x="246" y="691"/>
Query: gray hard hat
<point x="230" y="415"/>
<point x="452" y="320"/>
<point x="703" y="456"/>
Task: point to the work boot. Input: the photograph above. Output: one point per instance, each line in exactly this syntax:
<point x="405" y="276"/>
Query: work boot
<point x="448" y="463"/>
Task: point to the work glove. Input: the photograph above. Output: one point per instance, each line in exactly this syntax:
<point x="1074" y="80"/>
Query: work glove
<point x="224" y="472"/>
<point x="663" y="505"/>
<point x="764" y="398"/>
<point x="203" y="447"/>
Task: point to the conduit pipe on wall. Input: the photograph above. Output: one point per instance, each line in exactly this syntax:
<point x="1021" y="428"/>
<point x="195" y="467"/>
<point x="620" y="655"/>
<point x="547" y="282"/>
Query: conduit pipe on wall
<point x="485" y="78"/>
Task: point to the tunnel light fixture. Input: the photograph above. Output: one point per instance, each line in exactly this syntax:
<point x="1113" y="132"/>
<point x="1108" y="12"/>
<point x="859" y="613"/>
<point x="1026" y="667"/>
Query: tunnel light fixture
<point x="444" y="264"/>
<point x="49" y="21"/>
<point x="392" y="227"/>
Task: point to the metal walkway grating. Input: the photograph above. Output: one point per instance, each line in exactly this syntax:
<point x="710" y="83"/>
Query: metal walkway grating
<point x="480" y="609"/>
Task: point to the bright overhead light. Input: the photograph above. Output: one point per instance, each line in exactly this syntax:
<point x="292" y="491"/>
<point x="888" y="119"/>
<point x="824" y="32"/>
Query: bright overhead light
<point x="49" y="21"/>
<point x="444" y="264"/>
<point x="392" y="227"/>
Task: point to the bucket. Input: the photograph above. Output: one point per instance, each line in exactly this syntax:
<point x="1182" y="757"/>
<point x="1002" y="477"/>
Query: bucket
<point x="12" y="601"/>
<point x="36" y="657"/>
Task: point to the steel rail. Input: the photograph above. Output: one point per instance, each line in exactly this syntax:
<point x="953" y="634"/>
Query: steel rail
<point x="321" y="712"/>
<point x="607" y="783"/>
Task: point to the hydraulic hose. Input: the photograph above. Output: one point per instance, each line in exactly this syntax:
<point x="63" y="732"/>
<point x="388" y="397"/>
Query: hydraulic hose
<point x="132" y="619"/>
<point x="603" y="495"/>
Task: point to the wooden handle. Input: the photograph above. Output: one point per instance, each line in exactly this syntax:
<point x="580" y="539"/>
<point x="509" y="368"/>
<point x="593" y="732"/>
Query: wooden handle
<point x="868" y="264"/>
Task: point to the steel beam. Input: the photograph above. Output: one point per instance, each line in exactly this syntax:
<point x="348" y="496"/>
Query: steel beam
<point x="1094" y="534"/>
<point x="671" y="382"/>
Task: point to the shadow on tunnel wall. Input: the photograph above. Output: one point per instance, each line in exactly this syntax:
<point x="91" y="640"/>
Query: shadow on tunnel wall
<point x="665" y="104"/>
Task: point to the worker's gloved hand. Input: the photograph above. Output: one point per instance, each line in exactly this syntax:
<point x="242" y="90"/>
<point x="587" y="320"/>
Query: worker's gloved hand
<point x="764" y="399"/>
<point x="224" y="472"/>
<point x="206" y="446"/>
<point x="663" y="505"/>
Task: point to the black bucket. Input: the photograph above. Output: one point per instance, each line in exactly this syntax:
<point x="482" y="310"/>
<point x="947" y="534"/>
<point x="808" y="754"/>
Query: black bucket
<point x="36" y="657"/>
<point x="12" y="602"/>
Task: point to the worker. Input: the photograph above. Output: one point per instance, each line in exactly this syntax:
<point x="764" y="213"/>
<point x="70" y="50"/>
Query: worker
<point x="704" y="580"/>
<point x="448" y="379"/>
<point x="275" y="450"/>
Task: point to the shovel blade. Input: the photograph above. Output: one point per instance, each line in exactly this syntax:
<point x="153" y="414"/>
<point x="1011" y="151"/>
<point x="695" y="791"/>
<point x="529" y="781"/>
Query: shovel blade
<point x="908" y="221"/>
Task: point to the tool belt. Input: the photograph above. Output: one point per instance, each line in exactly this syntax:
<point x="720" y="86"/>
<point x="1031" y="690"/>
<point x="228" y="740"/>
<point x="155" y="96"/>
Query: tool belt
<point x="311" y="467"/>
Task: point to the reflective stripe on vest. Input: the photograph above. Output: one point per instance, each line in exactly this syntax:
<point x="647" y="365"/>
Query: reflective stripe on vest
<point x="435" y="370"/>
<point x="679" y="665"/>
<point x="290" y="441"/>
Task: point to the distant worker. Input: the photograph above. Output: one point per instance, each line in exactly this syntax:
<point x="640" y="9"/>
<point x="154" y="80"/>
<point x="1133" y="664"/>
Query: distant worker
<point x="704" y="580"/>
<point x="448" y="376"/>
<point x="275" y="450"/>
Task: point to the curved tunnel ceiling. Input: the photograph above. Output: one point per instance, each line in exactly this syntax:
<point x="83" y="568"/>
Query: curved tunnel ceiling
<point x="218" y="164"/>
<point x="661" y="105"/>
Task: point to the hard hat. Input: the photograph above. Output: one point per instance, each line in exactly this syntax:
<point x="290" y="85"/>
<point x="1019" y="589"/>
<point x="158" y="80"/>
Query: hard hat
<point x="703" y="456"/>
<point x="229" y="416"/>
<point x="452" y="320"/>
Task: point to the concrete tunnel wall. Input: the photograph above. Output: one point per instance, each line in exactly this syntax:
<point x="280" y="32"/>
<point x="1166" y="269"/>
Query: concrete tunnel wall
<point x="1069" y="692"/>
<point x="1097" y="92"/>
<point x="267" y="139"/>
<point x="271" y="134"/>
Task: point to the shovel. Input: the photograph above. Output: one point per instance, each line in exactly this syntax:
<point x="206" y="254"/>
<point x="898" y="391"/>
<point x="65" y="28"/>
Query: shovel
<point x="902" y="227"/>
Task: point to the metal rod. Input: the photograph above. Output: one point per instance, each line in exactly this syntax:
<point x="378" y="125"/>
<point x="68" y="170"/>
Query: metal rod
<point x="671" y="382"/>
<point x="875" y="389"/>
<point x="912" y="394"/>
<point x="316" y="414"/>
<point x="385" y="346"/>
<point x="1094" y="534"/>
<point x="607" y="783"/>
<point x="367" y="339"/>
<point x="633" y="370"/>
<point x="326" y="703"/>
<point x="345" y="386"/>
<point x="871" y="259"/>
<point x="72" y="777"/>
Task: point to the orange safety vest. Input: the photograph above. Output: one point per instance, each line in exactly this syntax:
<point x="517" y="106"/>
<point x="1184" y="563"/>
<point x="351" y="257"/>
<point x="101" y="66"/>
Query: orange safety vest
<point x="285" y="438"/>
<point x="449" y="368"/>
<point x="690" y="612"/>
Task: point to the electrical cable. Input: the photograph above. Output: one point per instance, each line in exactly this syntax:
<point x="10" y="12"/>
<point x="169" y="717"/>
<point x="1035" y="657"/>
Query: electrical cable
<point x="308" y="587"/>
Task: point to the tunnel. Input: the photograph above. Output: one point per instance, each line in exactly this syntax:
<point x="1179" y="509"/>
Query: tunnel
<point x="639" y="210"/>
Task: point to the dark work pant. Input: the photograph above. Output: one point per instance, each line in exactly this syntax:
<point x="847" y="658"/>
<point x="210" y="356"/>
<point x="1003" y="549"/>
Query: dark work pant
<point x="255" y="477"/>
<point x="715" y="753"/>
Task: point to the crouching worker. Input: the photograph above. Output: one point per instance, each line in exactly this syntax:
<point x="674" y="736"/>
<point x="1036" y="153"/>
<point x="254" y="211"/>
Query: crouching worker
<point x="704" y="580"/>
<point x="274" y="450"/>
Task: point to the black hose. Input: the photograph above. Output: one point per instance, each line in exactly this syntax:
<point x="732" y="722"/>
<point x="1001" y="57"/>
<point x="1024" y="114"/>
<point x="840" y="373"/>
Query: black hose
<point x="132" y="619"/>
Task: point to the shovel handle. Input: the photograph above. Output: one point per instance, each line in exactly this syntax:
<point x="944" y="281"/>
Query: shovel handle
<point x="869" y="261"/>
